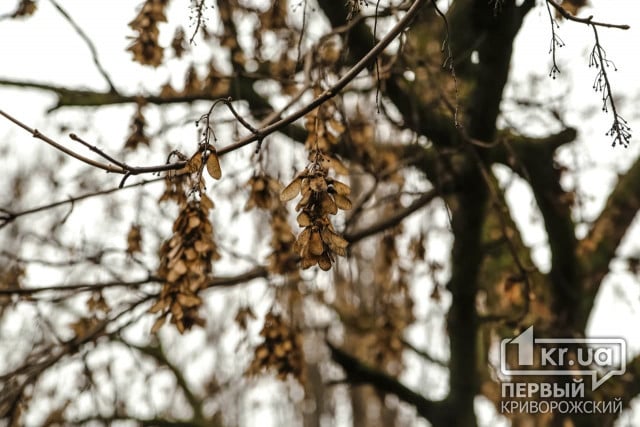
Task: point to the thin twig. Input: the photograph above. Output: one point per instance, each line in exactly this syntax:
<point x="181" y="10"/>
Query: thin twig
<point x="446" y="45"/>
<point x="556" y="41"/>
<point x="120" y="168"/>
<point x="394" y="219"/>
<point x="620" y="130"/>
<point x="90" y="45"/>
<point x="588" y="21"/>
<point x="199" y="18"/>
<point x="400" y="26"/>
<point x="8" y="216"/>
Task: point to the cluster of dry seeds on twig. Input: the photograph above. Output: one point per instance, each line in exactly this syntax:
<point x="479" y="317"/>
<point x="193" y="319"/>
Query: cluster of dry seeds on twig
<point x="214" y="84"/>
<point x="185" y="259"/>
<point x="394" y="306"/>
<point x="145" y="47"/>
<point x="185" y="266"/>
<point x="134" y="240"/>
<point x="280" y="351"/>
<point x="264" y="194"/>
<point x="322" y="196"/>
<point x="179" y="43"/>
<point x="275" y="18"/>
<point x="323" y="128"/>
<point x="137" y="136"/>
<point x="25" y="8"/>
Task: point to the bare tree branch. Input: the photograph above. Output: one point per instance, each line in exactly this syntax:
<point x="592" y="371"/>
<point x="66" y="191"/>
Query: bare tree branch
<point x="359" y="373"/>
<point x="90" y="45"/>
<point x="589" y="20"/>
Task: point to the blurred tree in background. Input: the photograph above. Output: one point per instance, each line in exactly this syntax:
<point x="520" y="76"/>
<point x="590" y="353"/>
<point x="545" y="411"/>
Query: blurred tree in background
<point x="344" y="185"/>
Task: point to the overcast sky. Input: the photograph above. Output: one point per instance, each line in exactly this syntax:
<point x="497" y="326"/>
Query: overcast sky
<point x="45" y="48"/>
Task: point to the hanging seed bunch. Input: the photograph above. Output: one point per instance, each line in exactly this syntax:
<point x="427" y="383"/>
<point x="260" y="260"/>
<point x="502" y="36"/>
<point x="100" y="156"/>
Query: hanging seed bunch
<point x="275" y="18"/>
<point x="138" y="135"/>
<point x="185" y="259"/>
<point x="324" y="129"/>
<point x="322" y="196"/>
<point x="145" y="47"/>
<point x="185" y="266"/>
<point x="192" y="83"/>
<point x="395" y="314"/>
<point x="179" y="43"/>
<point x="394" y="304"/>
<point x="25" y="8"/>
<point x="281" y="350"/>
<point x="264" y="194"/>
<point x="188" y="180"/>
<point x="216" y="83"/>
<point x="284" y="259"/>
<point x="134" y="240"/>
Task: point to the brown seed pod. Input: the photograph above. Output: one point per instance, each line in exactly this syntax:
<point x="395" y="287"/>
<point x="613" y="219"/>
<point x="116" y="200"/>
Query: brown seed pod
<point x="213" y="165"/>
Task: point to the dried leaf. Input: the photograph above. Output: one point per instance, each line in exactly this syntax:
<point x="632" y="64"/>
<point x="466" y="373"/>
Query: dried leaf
<point x="303" y="240"/>
<point x="324" y="262"/>
<point x="328" y="205"/>
<point x="291" y="190"/>
<point x="329" y="162"/>
<point x="194" y="222"/>
<point x="159" y="305"/>
<point x="190" y="254"/>
<point x="180" y="268"/>
<point x="315" y="244"/>
<point x="158" y="324"/>
<point x="180" y="326"/>
<point x="304" y="220"/>
<point x="202" y="246"/>
<point x="189" y="300"/>
<point x="341" y="188"/>
<point x="176" y="310"/>
<point x="304" y="201"/>
<point x="213" y="165"/>
<point x="318" y="184"/>
<point x="308" y="262"/>
<point x="342" y="202"/>
<point x="172" y="276"/>
<point x="206" y="202"/>
<point x="334" y="240"/>
<point x="194" y="163"/>
<point x="134" y="240"/>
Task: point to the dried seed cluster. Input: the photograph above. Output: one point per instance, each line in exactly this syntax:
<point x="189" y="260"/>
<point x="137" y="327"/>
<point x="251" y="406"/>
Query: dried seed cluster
<point x="394" y="305"/>
<point x="214" y="84"/>
<point x="281" y="350"/>
<point x="178" y="43"/>
<point x="275" y="18"/>
<point x="25" y="8"/>
<point x="378" y="159"/>
<point x="264" y="194"/>
<point x="189" y="179"/>
<point x="137" y="127"/>
<point x="185" y="266"/>
<point x="283" y="259"/>
<point x="321" y="196"/>
<point x="396" y="314"/>
<point x="145" y="47"/>
<point x="324" y="129"/>
<point x="134" y="240"/>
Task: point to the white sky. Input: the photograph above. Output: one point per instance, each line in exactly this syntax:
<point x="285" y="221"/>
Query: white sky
<point x="44" y="48"/>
